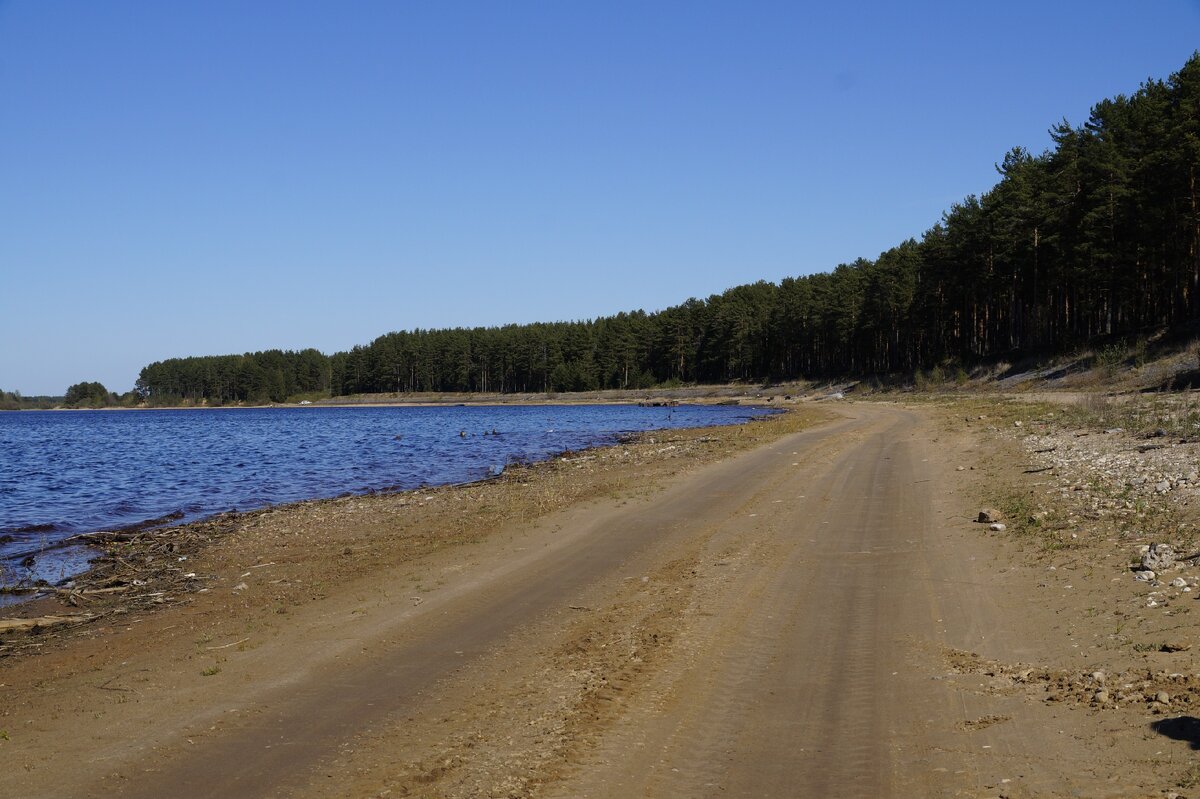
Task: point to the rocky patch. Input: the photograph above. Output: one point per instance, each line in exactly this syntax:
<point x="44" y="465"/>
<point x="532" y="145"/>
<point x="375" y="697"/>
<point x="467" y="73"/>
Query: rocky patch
<point x="1134" y="689"/>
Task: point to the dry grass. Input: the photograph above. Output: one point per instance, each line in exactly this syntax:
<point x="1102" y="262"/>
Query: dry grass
<point x="1144" y="414"/>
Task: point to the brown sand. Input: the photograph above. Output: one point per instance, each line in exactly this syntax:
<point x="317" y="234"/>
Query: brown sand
<point x="745" y="612"/>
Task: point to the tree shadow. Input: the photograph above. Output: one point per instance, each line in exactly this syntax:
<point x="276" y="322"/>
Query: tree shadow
<point x="1180" y="728"/>
<point x="1181" y="381"/>
<point x="1041" y="367"/>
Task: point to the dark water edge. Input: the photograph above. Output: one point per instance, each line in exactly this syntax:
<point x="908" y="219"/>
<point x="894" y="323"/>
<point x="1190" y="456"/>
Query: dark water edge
<point x="112" y="472"/>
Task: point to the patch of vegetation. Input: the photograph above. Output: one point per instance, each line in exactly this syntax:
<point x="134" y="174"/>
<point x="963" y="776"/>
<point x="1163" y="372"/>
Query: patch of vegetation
<point x="15" y="401"/>
<point x="1024" y="521"/>
<point x="1173" y="415"/>
<point x="1190" y="778"/>
<point x="1109" y="359"/>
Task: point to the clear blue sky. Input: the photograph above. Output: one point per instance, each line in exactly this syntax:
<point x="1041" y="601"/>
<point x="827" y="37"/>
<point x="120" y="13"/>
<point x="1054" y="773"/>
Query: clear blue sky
<point x="189" y="178"/>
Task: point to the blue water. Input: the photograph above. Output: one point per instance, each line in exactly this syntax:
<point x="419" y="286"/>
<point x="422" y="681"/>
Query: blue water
<point x="66" y="473"/>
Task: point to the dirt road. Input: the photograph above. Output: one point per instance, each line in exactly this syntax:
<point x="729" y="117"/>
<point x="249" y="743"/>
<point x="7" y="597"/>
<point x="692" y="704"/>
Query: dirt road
<point x="772" y="625"/>
<point x="808" y="688"/>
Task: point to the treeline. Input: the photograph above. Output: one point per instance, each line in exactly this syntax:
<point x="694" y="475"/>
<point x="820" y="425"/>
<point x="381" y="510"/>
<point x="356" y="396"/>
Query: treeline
<point x="80" y="395"/>
<point x="1098" y="236"/>
<point x="15" y="401"/>
<point x="256" y="377"/>
<point x="95" y="395"/>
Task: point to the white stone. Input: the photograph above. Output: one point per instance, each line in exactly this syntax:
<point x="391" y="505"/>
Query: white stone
<point x="1158" y="557"/>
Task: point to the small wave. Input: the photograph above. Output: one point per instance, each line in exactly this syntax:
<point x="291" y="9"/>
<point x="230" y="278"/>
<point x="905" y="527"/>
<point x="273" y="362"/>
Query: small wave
<point x="35" y="528"/>
<point x="157" y="521"/>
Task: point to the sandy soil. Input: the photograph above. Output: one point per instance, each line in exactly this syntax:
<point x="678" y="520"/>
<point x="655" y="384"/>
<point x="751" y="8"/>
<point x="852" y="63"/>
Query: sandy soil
<point x="785" y="609"/>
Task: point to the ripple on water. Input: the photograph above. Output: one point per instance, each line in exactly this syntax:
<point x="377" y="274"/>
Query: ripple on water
<point x="65" y="473"/>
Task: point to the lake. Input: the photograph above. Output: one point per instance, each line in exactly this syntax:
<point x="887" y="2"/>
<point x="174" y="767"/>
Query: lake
<point x="63" y="473"/>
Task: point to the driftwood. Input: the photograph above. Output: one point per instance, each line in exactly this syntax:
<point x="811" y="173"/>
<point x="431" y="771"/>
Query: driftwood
<point x="49" y="589"/>
<point x="99" y="537"/>
<point x="226" y="646"/>
<point x="41" y="623"/>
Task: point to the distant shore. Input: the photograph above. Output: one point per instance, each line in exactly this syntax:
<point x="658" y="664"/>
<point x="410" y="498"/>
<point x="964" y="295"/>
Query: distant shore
<point x="695" y="395"/>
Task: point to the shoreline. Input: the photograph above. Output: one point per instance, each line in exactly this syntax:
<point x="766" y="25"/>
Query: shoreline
<point x="88" y="541"/>
<point x="693" y="395"/>
<point x="104" y="544"/>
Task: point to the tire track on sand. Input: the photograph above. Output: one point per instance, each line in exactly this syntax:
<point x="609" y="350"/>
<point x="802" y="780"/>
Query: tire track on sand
<point x="789" y="690"/>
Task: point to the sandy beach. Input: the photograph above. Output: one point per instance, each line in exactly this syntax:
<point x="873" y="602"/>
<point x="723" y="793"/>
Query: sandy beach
<point x="803" y="606"/>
